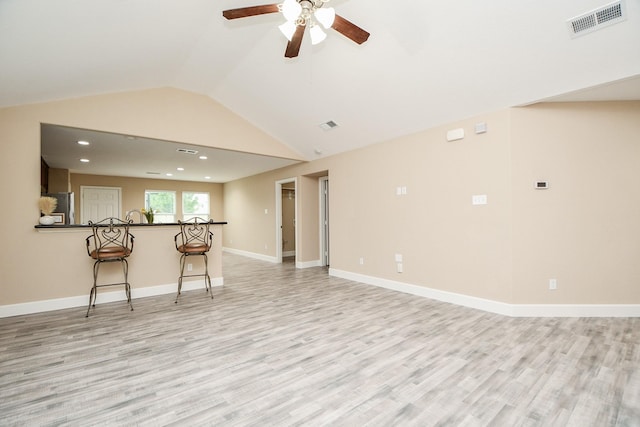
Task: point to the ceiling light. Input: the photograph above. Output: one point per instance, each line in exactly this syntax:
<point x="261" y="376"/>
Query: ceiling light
<point x="305" y="13"/>
<point x="84" y="160"/>
<point x="325" y="16"/>
<point x="83" y="142"/>
<point x="180" y="169"/>
<point x="288" y="29"/>
<point x="291" y="10"/>
<point x="317" y="35"/>
<point x="203" y="157"/>
<point x="169" y="174"/>
<point x="207" y="177"/>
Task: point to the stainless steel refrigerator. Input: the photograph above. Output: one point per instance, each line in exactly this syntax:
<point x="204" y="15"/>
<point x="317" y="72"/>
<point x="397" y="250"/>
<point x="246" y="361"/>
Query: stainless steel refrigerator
<point x="65" y="210"/>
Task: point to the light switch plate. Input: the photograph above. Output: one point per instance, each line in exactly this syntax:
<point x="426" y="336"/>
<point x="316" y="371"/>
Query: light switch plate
<point x="479" y="199"/>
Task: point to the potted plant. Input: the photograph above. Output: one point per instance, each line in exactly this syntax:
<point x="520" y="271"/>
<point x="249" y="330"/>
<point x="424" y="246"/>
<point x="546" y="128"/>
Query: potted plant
<point x="47" y="206"/>
<point x="148" y="214"/>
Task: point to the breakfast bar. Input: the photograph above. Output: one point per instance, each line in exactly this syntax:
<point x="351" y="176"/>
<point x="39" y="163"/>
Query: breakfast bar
<point x="154" y="266"/>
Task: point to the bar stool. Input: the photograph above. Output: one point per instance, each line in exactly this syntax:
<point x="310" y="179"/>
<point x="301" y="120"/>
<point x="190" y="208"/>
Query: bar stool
<point x="109" y="242"/>
<point x="193" y="239"/>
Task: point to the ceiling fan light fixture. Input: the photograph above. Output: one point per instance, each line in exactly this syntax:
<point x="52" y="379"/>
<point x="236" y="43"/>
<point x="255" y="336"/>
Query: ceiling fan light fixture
<point x="291" y="10"/>
<point x="325" y="16"/>
<point x="288" y="29"/>
<point x="317" y="35"/>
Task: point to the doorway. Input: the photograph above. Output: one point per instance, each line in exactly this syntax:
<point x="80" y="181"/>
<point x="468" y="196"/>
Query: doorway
<point x="286" y="216"/>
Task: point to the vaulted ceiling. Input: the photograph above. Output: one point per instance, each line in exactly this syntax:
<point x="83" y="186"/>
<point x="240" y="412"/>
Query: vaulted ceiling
<point x="426" y="62"/>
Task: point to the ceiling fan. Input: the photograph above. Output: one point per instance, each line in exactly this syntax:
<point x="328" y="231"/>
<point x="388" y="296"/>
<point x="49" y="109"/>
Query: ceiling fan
<point x="299" y="14"/>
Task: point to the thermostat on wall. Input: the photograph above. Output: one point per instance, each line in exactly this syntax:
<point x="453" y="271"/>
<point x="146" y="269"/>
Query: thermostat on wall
<point x="541" y="185"/>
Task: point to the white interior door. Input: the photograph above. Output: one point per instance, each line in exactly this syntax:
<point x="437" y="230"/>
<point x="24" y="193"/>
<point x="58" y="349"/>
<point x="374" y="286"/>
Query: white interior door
<point x="99" y="203"/>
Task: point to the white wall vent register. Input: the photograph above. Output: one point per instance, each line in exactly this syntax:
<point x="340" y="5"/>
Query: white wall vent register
<point x="596" y="19"/>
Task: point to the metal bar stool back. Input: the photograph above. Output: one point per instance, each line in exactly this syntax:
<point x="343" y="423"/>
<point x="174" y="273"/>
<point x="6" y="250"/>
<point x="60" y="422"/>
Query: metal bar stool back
<point x="194" y="239"/>
<point x="110" y="241"/>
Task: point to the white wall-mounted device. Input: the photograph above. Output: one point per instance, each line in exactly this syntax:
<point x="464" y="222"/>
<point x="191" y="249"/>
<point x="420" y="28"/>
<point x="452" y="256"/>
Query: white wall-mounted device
<point x="481" y="127"/>
<point x="541" y="185"/>
<point x="455" y="134"/>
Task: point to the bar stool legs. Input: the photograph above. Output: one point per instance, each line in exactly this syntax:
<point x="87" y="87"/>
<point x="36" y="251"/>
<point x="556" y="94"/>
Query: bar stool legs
<point x="207" y="278"/>
<point x="194" y="238"/>
<point x="94" y="289"/>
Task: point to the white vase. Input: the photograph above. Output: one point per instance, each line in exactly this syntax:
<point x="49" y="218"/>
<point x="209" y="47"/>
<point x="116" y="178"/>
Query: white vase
<point x="47" y="220"/>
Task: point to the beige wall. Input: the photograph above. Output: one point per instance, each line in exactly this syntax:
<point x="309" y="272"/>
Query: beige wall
<point x="583" y="231"/>
<point x="58" y="180"/>
<point x="133" y="192"/>
<point x="252" y="230"/>
<point x="41" y="266"/>
<point x="446" y="243"/>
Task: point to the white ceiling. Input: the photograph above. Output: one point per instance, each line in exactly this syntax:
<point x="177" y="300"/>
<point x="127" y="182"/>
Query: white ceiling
<point x="426" y="62"/>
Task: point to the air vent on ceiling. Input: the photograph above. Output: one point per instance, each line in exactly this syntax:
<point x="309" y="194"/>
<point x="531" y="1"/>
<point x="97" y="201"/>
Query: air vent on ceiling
<point x="601" y="17"/>
<point x="187" y="151"/>
<point x="328" y="125"/>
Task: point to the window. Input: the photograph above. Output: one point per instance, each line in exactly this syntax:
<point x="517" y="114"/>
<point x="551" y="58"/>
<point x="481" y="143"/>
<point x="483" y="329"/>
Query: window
<point x="163" y="204"/>
<point x="195" y="205"/>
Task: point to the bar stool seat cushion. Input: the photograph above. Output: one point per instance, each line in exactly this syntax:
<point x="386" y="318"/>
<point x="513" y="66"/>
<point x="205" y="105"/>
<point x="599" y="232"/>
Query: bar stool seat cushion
<point x="110" y="252"/>
<point x="193" y="248"/>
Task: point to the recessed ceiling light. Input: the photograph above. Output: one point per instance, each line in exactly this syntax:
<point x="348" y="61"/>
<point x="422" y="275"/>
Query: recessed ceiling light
<point x="180" y="169"/>
<point x="203" y="157"/>
<point x="83" y="142"/>
<point x="169" y="174"/>
<point x="84" y="160"/>
<point x="207" y="177"/>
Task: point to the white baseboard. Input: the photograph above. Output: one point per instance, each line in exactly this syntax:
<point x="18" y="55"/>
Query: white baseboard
<point x="289" y="253"/>
<point x="103" y="297"/>
<point x="505" y="309"/>
<point x="253" y="255"/>
<point x="272" y="259"/>
<point x="308" y="264"/>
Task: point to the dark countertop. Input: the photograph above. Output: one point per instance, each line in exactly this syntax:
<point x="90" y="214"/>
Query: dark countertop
<point x="166" y="224"/>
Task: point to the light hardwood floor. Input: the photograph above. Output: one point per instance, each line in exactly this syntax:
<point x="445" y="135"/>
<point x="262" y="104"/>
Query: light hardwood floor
<point x="280" y="346"/>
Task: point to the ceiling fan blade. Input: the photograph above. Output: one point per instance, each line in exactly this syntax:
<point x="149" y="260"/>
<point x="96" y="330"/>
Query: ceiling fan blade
<point x="293" y="47"/>
<point x="350" y="30"/>
<point x="244" y="12"/>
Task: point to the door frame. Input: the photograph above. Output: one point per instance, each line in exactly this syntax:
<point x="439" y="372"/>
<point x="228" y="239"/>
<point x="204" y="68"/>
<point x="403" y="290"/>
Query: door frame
<point x="323" y="185"/>
<point x="279" y="216"/>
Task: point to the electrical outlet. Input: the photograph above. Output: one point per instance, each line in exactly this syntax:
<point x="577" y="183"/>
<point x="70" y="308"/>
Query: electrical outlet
<point x="189" y="267"/>
<point x="399" y="267"/>
<point x="553" y="284"/>
<point x="361" y="260"/>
